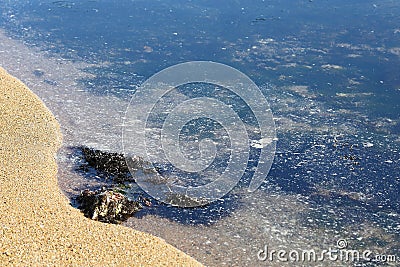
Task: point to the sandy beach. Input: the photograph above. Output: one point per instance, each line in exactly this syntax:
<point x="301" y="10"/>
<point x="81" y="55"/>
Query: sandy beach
<point x="38" y="227"/>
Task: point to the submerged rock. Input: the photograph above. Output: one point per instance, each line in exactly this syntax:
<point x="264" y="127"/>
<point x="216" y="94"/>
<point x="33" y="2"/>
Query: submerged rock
<point x="107" y="206"/>
<point x="111" y="164"/>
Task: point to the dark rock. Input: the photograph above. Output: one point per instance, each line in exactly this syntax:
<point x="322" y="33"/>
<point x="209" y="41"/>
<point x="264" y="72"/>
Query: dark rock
<point x="113" y="165"/>
<point x="107" y="206"/>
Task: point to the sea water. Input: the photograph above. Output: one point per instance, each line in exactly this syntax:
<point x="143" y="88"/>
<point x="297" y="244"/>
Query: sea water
<point x="329" y="71"/>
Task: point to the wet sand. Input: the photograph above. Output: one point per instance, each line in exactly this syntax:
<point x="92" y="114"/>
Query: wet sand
<point x="38" y="227"/>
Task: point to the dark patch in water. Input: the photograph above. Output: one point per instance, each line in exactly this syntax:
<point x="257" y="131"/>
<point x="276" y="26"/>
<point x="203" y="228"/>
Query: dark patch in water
<point x="38" y="73"/>
<point x="206" y="215"/>
<point x="51" y="82"/>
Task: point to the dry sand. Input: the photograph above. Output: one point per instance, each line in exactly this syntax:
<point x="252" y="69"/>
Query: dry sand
<point x="38" y="227"/>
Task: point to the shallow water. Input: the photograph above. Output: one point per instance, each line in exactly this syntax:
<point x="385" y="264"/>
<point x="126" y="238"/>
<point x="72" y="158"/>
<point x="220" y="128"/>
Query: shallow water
<point x="331" y="80"/>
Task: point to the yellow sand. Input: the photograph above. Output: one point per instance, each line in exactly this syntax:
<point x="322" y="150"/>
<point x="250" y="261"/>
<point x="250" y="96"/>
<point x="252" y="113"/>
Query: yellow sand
<point x="37" y="225"/>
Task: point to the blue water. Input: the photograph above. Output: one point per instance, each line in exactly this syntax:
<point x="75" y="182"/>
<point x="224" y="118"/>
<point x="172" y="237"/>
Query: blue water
<point x="176" y="32"/>
<point x="347" y="53"/>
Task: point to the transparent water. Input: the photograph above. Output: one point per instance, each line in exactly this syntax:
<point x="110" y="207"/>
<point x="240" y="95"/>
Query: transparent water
<point x="328" y="69"/>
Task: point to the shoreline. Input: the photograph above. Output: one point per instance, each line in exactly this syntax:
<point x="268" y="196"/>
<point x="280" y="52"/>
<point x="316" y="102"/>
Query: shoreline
<point x="38" y="226"/>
